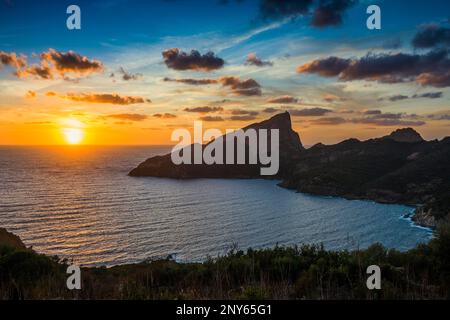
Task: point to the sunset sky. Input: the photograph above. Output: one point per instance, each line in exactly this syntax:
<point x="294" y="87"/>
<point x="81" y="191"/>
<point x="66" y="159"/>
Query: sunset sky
<point x="129" y="76"/>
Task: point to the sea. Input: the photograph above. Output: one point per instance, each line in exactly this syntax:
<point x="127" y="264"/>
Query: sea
<point x="77" y="202"/>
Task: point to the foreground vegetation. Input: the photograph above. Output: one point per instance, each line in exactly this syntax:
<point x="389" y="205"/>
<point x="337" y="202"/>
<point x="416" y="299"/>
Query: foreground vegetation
<point x="306" y="272"/>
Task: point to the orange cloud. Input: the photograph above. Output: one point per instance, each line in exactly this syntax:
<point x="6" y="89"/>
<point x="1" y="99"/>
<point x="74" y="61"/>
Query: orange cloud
<point x="111" y="98"/>
<point x="164" y="115"/>
<point x="30" y="94"/>
<point x="52" y="64"/>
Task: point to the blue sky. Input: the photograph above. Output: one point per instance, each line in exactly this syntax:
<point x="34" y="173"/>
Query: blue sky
<point x="132" y="35"/>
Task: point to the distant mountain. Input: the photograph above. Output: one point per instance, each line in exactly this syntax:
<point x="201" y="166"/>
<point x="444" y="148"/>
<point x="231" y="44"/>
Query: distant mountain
<point x="399" y="168"/>
<point x="405" y="135"/>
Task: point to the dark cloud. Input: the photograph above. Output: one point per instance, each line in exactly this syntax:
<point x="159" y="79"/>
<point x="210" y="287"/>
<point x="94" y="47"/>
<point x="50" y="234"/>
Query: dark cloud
<point x="329" y="121"/>
<point x="242" y="118"/>
<point x="52" y="64"/>
<point x="374" y="117"/>
<point x="128" y="116"/>
<point x="164" y="115"/>
<point x="195" y="82"/>
<point x="372" y="112"/>
<point x="431" y="69"/>
<point x="179" y="60"/>
<point x="439" y="116"/>
<point x="205" y="109"/>
<point x="248" y="87"/>
<point x="253" y="60"/>
<point x="211" y="118"/>
<point x="330" y="12"/>
<point x="328" y="67"/>
<point x="111" y="98"/>
<point x="276" y="9"/>
<point x="12" y="60"/>
<point x="378" y="118"/>
<point x="324" y="12"/>
<point x="388" y="122"/>
<point x="429" y="95"/>
<point x="283" y="99"/>
<point x="312" y="112"/>
<point x="127" y="76"/>
<point x="432" y="36"/>
<point x="70" y="62"/>
<point x="242" y="112"/>
<point x="387" y="116"/>
<point x="398" y="98"/>
<point x="271" y="110"/>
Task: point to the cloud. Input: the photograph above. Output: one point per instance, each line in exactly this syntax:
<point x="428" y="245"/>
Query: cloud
<point x="439" y="116"/>
<point x="372" y="112"/>
<point x="129" y="76"/>
<point x="389" y="122"/>
<point x="70" y="61"/>
<point x="164" y="115"/>
<point x="283" y="99"/>
<point x="330" y="12"/>
<point x="271" y="110"/>
<point x="328" y="67"/>
<point x="205" y="109"/>
<point x="241" y="112"/>
<point x="52" y="64"/>
<point x="211" y="118"/>
<point x="373" y="117"/>
<point x="398" y="98"/>
<point x="30" y="94"/>
<point x="429" y="95"/>
<point x="275" y="9"/>
<point x="179" y="60"/>
<point x="332" y="98"/>
<point x="329" y="121"/>
<point x="253" y="60"/>
<point x="12" y="60"/>
<point x="111" y="98"/>
<point x="128" y="116"/>
<point x="324" y="12"/>
<point x="432" y="36"/>
<point x="378" y="118"/>
<point x="248" y="87"/>
<point x="195" y="82"/>
<point x="243" y="118"/>
<point x="431" y="69"/>
<point x="312" y="112"/>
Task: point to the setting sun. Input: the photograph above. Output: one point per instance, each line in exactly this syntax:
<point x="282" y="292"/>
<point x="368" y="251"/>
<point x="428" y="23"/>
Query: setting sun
<point x="72" y="135"/>
<point x="72" y="131"/>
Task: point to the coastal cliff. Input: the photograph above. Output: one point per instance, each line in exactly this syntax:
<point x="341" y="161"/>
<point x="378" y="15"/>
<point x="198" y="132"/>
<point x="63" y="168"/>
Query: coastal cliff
<point x="290" y="149"/>
<point x="400" y="168"/>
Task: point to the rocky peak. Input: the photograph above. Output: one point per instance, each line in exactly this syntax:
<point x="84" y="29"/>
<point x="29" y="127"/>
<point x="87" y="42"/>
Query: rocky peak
<point x="405" y="135"/>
